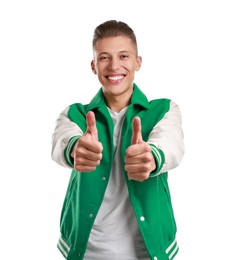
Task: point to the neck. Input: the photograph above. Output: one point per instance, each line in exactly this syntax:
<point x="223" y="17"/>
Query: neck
<point x="116" y="104"/>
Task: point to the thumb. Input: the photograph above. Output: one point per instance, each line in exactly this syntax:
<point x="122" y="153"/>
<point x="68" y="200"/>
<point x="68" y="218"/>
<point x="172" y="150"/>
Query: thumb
<point x="137" y="131"/>
<point x="91" y="124"/>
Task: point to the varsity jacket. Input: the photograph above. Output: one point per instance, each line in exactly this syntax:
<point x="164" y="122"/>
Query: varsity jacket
<point x="150" y="199"/>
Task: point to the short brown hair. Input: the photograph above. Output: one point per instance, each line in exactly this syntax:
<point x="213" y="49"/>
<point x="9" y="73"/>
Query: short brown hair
<point x="113" y="28"/>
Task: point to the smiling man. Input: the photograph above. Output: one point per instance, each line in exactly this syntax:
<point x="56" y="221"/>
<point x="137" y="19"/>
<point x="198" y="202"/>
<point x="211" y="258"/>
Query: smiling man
<point x="115" y="62"/>
<point x="120" y="148"/>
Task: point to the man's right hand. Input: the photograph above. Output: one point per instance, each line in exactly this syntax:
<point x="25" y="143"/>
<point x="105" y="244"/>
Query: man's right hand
<point x="87" y="152"/>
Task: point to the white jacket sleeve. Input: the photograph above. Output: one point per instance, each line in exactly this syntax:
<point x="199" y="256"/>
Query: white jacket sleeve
<point x="167" y="135"/>
<point x="65" y="134"/>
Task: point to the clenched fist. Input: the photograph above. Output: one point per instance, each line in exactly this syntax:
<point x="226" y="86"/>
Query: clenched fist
<point x="139" y="161"/>
<point x="87" y="152"/>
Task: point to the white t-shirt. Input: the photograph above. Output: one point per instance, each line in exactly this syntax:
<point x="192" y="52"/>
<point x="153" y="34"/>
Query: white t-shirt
<point x="115" y="233"/>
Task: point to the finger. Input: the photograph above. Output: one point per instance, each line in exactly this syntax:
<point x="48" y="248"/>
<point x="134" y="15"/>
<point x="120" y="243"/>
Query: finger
<point x="141" y="176"/>
<point x="91" y="124"/>
<point x="138" y="168"/>
<point x="93" y="154"/>
<point x="85" y="145"/>
<point x="137" y="131"/>
<point x="84" y="168"/>
<point x="140" y="158"/>
<point x="86" y="162"/>
<point x="138" y="149"/>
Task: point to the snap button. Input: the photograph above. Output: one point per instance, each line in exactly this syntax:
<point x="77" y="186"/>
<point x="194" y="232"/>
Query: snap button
<point x="142" y="218"/>
<point x="91" y="215"/>
<point x="155" y="258"/>
<point x="103" y="178"/>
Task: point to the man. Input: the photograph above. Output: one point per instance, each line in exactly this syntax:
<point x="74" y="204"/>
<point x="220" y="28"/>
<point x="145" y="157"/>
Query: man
<point x="120" y="147"/>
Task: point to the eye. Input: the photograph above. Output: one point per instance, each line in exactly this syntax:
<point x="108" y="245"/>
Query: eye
<point x="123" y="56"/>
<point x="104" y="58"/>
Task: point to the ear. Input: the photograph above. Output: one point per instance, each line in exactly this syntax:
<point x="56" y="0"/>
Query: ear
<point x="93" y="67"/>
<point x="139" y="63"/>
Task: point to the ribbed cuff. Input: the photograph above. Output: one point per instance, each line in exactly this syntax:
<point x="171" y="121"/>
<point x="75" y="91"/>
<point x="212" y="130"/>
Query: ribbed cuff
<point x="159" y="158"/>
<point x="68" y="150"/>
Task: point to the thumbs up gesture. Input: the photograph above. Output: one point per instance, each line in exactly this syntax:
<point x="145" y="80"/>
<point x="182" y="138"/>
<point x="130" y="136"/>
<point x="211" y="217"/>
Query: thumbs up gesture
<point x="87" y="152"/>
<point x="139" y="161"/>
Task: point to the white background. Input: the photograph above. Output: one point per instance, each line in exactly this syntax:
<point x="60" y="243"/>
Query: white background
<point x="189" y="51"/>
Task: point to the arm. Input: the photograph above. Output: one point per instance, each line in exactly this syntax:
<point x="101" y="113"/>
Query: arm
<point x="162" y="152"/>
<point x="74" y="149"/>
<point x="167" y="136"/>
<point x="65" y="135"/>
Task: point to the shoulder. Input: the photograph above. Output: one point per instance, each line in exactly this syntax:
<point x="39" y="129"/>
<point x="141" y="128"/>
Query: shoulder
<point x="76" y="108"/>
<point x="164" y="104"/>
<point x="161" y="105"/>
<point x="159" y="109"/>
<point x="77" y="113"/>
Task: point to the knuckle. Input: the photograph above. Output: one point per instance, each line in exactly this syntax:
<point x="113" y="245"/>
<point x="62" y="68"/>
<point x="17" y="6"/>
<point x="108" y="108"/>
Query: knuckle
<point x="146" y="167"/>
<point x="147" y="147"/>
<point x="98" y="163"/>
<point x="126" y="167"/>
<point x="128" y="153"/>
<point x="146" y="157"/>
<point x="78" y="168"/>
<point x="101" y="146"/>
<point x="79" y="151"/>
<point x="144" y="176"/>
<point x="100" y="156"/>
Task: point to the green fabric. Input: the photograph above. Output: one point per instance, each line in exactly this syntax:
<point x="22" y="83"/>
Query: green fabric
<point x="150" y="199"/>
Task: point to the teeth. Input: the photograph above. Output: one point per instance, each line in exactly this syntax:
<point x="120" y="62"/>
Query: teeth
<point x="116" y="77"/>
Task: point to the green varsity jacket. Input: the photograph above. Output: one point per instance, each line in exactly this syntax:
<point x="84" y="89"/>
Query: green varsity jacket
<point x="150" y="199"/>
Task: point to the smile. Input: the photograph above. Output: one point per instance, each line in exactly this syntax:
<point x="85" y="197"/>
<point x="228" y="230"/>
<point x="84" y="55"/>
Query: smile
<point x="115" y="78"/>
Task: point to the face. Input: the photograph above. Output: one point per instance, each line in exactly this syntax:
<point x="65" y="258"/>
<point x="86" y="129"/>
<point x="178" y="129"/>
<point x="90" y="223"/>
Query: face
<point x="115" y="62"/>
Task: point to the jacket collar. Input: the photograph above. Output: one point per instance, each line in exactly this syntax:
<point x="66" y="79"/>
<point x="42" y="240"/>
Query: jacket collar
<point x="138" y="98"/>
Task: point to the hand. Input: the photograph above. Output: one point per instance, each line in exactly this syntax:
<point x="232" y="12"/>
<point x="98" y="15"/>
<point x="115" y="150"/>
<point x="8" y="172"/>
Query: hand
<point x="139" y="161"/>
<point x="87" y="152"/>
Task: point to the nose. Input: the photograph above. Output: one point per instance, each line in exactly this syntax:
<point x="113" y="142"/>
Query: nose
<point x="114" y="64"/>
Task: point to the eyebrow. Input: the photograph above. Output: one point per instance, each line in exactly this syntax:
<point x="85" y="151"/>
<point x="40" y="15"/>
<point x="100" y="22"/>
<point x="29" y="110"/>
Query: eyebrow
<point x="107" y="53"/>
